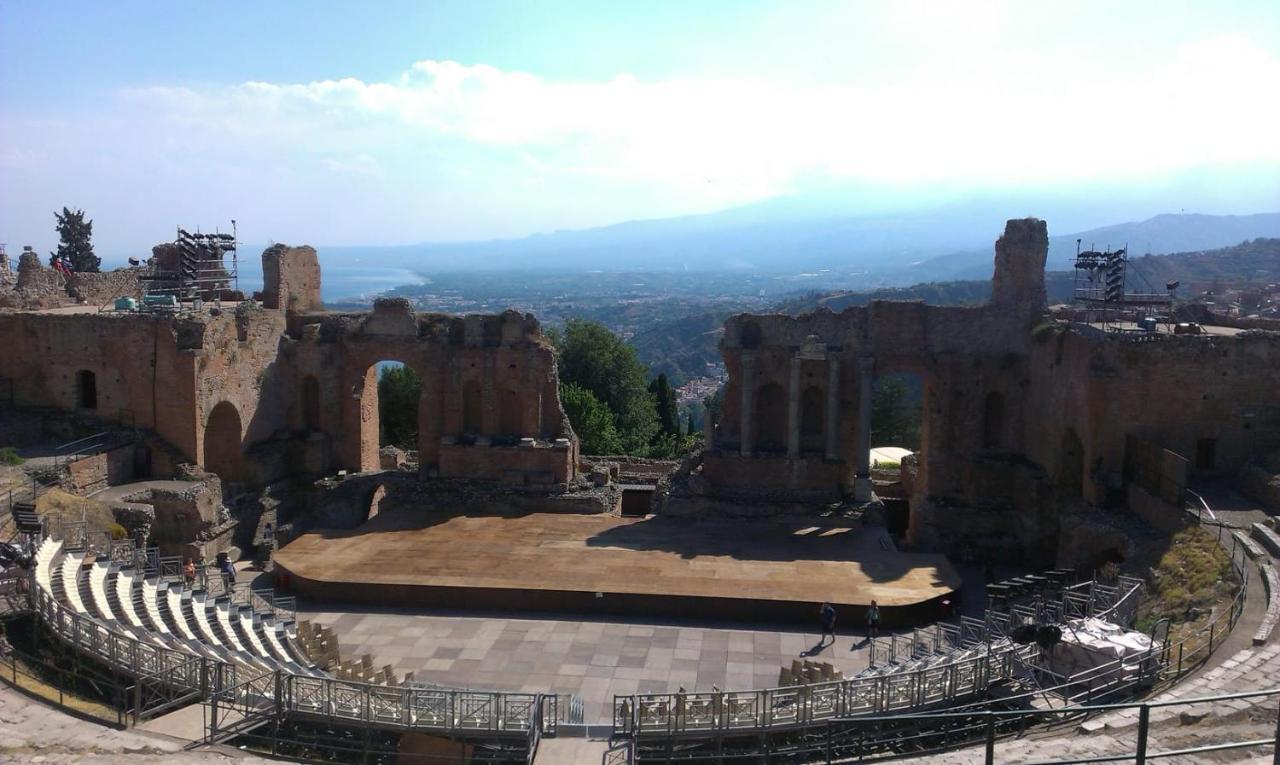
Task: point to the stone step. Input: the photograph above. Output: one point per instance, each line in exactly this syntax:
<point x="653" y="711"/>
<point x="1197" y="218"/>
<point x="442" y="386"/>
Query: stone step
<point x="1271" y="582"/>
<point x="1268" y="538"/>
<point x="1251" y="548"/>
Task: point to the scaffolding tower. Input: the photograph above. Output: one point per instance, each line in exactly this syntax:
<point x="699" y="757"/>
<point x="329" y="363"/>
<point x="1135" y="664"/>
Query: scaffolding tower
<point x="1101" y="286"/>
<point x="197" y="267"/>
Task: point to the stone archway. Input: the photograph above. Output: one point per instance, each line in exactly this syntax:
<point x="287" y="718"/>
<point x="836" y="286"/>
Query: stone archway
<point x="223" y="443"/>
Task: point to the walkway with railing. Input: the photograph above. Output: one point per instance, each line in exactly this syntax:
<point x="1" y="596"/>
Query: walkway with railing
<point x="232" y="684"/>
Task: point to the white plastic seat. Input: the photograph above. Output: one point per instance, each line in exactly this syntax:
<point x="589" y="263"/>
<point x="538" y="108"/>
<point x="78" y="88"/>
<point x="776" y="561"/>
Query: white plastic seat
<point x="124" y="597"/>
<point x="151" y="605"/>
<point x="200" y="604"/>
<point x="72" y="564"/>
<point x="175" y="600"/>
<point x="98" y="587"/>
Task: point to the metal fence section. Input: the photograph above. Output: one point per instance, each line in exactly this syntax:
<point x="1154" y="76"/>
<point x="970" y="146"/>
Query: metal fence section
<point x="333" y="701"/>
<point x="959" y="678"/>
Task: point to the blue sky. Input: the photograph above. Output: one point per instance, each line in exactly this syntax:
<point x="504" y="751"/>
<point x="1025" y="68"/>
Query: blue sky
<point x="380" y="123"/>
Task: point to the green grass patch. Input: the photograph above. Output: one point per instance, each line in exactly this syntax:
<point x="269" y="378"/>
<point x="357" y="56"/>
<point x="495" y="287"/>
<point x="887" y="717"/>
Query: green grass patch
<point x="1192" y="577"/>
<point x="9" y="456"/>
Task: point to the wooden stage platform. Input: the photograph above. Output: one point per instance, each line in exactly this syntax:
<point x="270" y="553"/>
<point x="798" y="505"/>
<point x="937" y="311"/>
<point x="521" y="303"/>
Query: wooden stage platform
<point x="753" y="570"/>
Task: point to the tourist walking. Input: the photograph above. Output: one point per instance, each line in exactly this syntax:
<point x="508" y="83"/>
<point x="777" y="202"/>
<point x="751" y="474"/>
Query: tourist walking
<point x="873" y="620"/>
<point x="827" y="616"/>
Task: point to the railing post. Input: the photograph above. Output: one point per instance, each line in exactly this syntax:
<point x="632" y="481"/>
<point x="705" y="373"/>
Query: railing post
<point x="1144" y="726"/>
<point x="991" y="739"/>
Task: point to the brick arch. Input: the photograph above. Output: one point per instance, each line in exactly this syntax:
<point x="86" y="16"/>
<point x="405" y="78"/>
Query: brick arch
<point x="224" y="443"/>
<point x="369" y="417"/>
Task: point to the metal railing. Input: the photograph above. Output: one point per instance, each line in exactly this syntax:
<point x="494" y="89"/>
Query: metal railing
<point x="457" y="712"/>
<point x="892" y="737"/>
<point x="923" y="684"/>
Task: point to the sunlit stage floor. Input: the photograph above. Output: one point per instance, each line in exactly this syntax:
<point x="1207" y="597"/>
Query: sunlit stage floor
<point x="755" y="570"/>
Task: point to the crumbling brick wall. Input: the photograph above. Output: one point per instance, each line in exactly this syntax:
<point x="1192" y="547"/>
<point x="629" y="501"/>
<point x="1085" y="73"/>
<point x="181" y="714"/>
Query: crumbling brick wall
<point x="290" y="278"/>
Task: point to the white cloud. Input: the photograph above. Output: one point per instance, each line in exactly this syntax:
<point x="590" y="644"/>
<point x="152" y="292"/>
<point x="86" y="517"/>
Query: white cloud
<point x="1056" y="119"/>
<point x="450" y="151"/>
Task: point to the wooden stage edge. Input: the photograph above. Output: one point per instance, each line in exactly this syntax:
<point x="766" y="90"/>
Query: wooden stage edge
<point x="595" y="564"/>
<point x="648" y="605"/>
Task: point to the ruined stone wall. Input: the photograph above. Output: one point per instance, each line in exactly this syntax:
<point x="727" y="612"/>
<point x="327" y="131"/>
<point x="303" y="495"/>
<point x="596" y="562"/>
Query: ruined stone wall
<point x="139" y="372"/>
<point x="256" y="391"/>
<point x="1214" y="400"/>
<point x="795" y="381"/>
<point x="102" y="288"/>
<point x="36" y="286"/>
<point x="290" y="278"/>
<point x="490" y="404"/>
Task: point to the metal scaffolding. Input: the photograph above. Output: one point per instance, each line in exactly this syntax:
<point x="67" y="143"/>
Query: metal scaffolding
<point x="197" y="268"/>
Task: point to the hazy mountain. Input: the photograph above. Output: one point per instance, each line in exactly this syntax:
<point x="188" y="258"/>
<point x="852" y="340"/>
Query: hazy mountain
<point x="889" y="241"/>
<point x="1252" y="262"/>
<point x="1157" y="235"/>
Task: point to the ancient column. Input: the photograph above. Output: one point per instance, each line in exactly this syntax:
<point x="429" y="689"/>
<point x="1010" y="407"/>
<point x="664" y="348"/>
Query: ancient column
<point x="793" y="409"/>
<point x="747" y="434"/>
<point x="833" y="406"/>
<point x="862" y="458"/>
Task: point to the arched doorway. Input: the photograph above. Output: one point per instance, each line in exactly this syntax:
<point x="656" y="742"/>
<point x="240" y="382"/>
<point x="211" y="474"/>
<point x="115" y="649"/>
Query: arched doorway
<point x="223" y="439"/>
<point x="389" y="395"/>
<point x="86" y="389"/>
<point x="771" y="419"/>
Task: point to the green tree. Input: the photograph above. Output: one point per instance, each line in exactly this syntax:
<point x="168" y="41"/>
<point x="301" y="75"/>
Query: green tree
<point x="690" y="430"/>
<point x="596" y="360"/>
<point x="591" y="420"/>
<point x="895" y="416"/>
<point x="399" y="389"/>
<point x="74" y="241"/>
<point x="664" y="401"/>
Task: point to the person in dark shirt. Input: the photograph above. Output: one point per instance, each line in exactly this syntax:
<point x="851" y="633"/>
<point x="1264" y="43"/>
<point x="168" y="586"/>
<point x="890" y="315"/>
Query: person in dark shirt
<point x="827" y="615"/>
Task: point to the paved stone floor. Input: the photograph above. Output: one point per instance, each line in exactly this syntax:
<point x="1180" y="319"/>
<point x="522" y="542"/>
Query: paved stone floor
<point x="32" y="732"/>
<point x="591" y="659"/>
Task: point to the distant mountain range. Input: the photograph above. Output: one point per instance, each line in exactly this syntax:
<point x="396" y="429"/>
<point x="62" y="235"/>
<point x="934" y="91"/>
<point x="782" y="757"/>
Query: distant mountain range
<point x="874" y="246"/>
<point x="1161" y="234"/>
<point x="1253" y="262"/>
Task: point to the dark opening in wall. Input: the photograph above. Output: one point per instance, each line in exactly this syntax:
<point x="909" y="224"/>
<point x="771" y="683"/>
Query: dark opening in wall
<point x="812" y="418"/>
<point x="771" y="419"/>
<point x="1207" y="454"/>
<point x="993" y="421"/>
<point x="86" y="389"/>
<point x="472" y="421"/>
<point x="311" y="402"/>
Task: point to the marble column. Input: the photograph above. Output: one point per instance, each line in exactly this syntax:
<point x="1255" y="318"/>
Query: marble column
<point x="862" y="457"/>
<point x="793" y="410"/>
<point x="833" y="407"/>
<point x="747" y="435"/>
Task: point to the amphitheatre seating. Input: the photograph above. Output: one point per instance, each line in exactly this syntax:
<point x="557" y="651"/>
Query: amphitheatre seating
<point x="163" y="614"/>
<point x="1268" y="538"/>
<point x="98" y="587"/>
<point x="1251" y="548"/>
<point x="1271" y="583"/>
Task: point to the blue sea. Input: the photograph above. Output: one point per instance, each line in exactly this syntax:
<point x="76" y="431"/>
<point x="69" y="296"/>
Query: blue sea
<point x="338" y="281"/>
